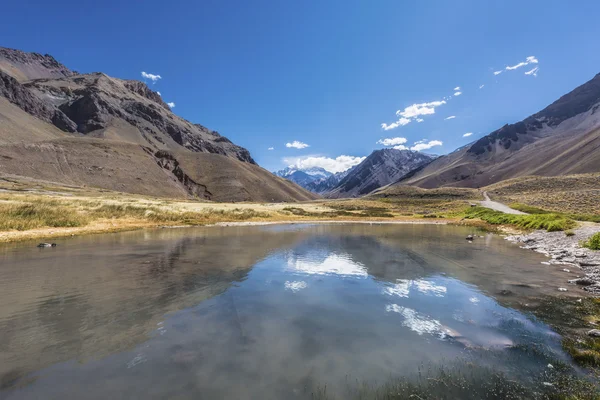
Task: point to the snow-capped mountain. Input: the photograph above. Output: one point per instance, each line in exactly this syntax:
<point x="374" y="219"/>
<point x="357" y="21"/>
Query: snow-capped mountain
<point x="304" y="176"/>
<point x="316" y="172"/>
<point x="324" y="185"/>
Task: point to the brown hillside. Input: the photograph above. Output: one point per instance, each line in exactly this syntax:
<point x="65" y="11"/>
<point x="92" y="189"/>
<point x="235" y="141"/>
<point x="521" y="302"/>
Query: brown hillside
<point x="95" y="130"/>
<point x="562" y="139"/>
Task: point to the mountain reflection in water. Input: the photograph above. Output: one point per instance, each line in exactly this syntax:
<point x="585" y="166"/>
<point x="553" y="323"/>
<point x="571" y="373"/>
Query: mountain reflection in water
<point x="257" y="312"/>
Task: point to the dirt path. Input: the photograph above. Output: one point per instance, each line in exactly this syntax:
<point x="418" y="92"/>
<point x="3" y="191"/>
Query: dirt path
<point x="494" y="205"/>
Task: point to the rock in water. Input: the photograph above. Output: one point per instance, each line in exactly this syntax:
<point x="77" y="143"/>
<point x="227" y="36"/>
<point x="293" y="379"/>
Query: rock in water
<point x="583" y="281"/>
<point x="46" y="245"/>
<point x="470" y="237"/>
<point x="594" y="333"/>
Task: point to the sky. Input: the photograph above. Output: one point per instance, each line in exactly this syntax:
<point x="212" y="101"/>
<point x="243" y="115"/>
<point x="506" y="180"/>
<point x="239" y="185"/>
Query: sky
<point x="324" y="83"/>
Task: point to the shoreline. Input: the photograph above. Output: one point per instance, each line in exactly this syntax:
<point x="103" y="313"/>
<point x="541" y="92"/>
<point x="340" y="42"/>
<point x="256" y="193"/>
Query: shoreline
<point x="317" y="221"/>
<point x="566" y="251"/>
<point x="111" y="227"/>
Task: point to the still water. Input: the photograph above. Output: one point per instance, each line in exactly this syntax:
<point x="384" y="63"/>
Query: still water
<point x="276" y="312"/>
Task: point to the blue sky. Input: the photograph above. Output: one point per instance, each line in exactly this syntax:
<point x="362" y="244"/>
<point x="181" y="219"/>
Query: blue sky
<point x="327" y="73"/>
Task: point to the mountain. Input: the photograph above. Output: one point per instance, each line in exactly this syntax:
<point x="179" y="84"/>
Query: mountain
<point x="381" y="168"/>
<point x="324" y="185"/>
<point x="304" y="176"/>
<point x="562" y="139"/>
<point x="96" y="130"/>
<point x="316" y="172"/>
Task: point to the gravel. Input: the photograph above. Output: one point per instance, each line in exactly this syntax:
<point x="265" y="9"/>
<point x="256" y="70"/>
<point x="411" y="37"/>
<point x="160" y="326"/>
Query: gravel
<point x="566" y="250"/>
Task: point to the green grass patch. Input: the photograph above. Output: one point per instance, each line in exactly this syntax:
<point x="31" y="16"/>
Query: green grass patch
<point x="593" y="243"/>
<point x="536" y="210"/>
<point x="550" y="222"/>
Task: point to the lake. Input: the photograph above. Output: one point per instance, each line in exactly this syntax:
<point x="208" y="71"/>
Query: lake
<point x="273" y="312"/>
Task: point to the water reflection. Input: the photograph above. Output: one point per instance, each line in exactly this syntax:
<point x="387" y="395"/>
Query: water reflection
<point x="254" y="312"/>
<point x="333" y="264"/>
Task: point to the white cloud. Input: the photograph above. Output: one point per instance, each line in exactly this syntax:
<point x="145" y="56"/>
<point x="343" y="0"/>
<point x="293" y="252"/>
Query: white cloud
<point x="158" y="93"/>
<point x="171" y="104"/>
<point x="456" y="88"/>
<point x="519" y="65"/>
<point x="424" y="145"/>
<point x="532" y="60"/>
<point x="528" y="60"/>
<point x="333" y="165"/>
<point x="498" y="72"/>
<point x="152" y="77"/>
<point x="296" y="145"/>
<point x="533" y="72"/>
<point x="394" y="125"/>
<point x="467" y="134"/>
<point x="450" y="117"/>
<point x="481" y="86"/>
<point x="398" y="144"/>
<point x="416" y="110"/>
<point x="271" y="148"/>
<point x="413" y="113"/>
<point x="457" y="93"/>
<point x="392" y="141"/>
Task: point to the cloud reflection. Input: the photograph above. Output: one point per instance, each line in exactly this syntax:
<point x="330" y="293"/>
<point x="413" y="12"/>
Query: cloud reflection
<point x="335" y="264"/>
<point x="403" y="287"/>
<point x="295" y="286"/>
<point x="417" y="322"/>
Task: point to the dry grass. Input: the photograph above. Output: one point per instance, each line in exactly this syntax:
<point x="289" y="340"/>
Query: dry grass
<point x="576" y="194"/>
<point x="25" y="214"/>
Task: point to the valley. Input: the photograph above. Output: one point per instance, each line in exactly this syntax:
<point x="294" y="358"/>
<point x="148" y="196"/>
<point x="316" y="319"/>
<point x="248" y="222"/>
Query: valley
<point x="155" y="230"/>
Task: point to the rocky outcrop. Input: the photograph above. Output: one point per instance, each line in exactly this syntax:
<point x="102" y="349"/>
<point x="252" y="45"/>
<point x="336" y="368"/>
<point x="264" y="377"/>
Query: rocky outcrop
<point x="28" y="66"/>
<point x="19" y="95"/>
<point x="91" y="103"/>
<point x="143" y="90"/>
<point x="167" y="161"/>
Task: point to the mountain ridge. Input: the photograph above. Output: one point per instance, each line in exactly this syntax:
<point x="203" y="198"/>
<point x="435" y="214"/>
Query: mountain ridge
<point x="563" y="138"/>
<point x="52" y="113"/>
<point x="379" y="169"/>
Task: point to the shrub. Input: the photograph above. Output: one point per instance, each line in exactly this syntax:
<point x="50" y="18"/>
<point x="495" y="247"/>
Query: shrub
<point x="550" y="222"/>
<point x="593" y="242"/>
<point x="569" y="233"/>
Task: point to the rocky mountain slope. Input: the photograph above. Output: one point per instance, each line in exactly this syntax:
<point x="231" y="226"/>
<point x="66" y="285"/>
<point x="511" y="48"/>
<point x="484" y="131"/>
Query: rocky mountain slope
<point x="304" y="176"/>
<point x="381" y="168"/>
<point x="52" y="117"/>
<point x="325" y="185"/>
<point x="563" y="138"/>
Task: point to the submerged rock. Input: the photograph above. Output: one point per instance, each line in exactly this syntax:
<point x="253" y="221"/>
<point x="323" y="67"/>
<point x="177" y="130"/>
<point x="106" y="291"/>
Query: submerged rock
<point x="594" y="333"/>
<point x="583" y="281"/>
<point x="46" y="245"/>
